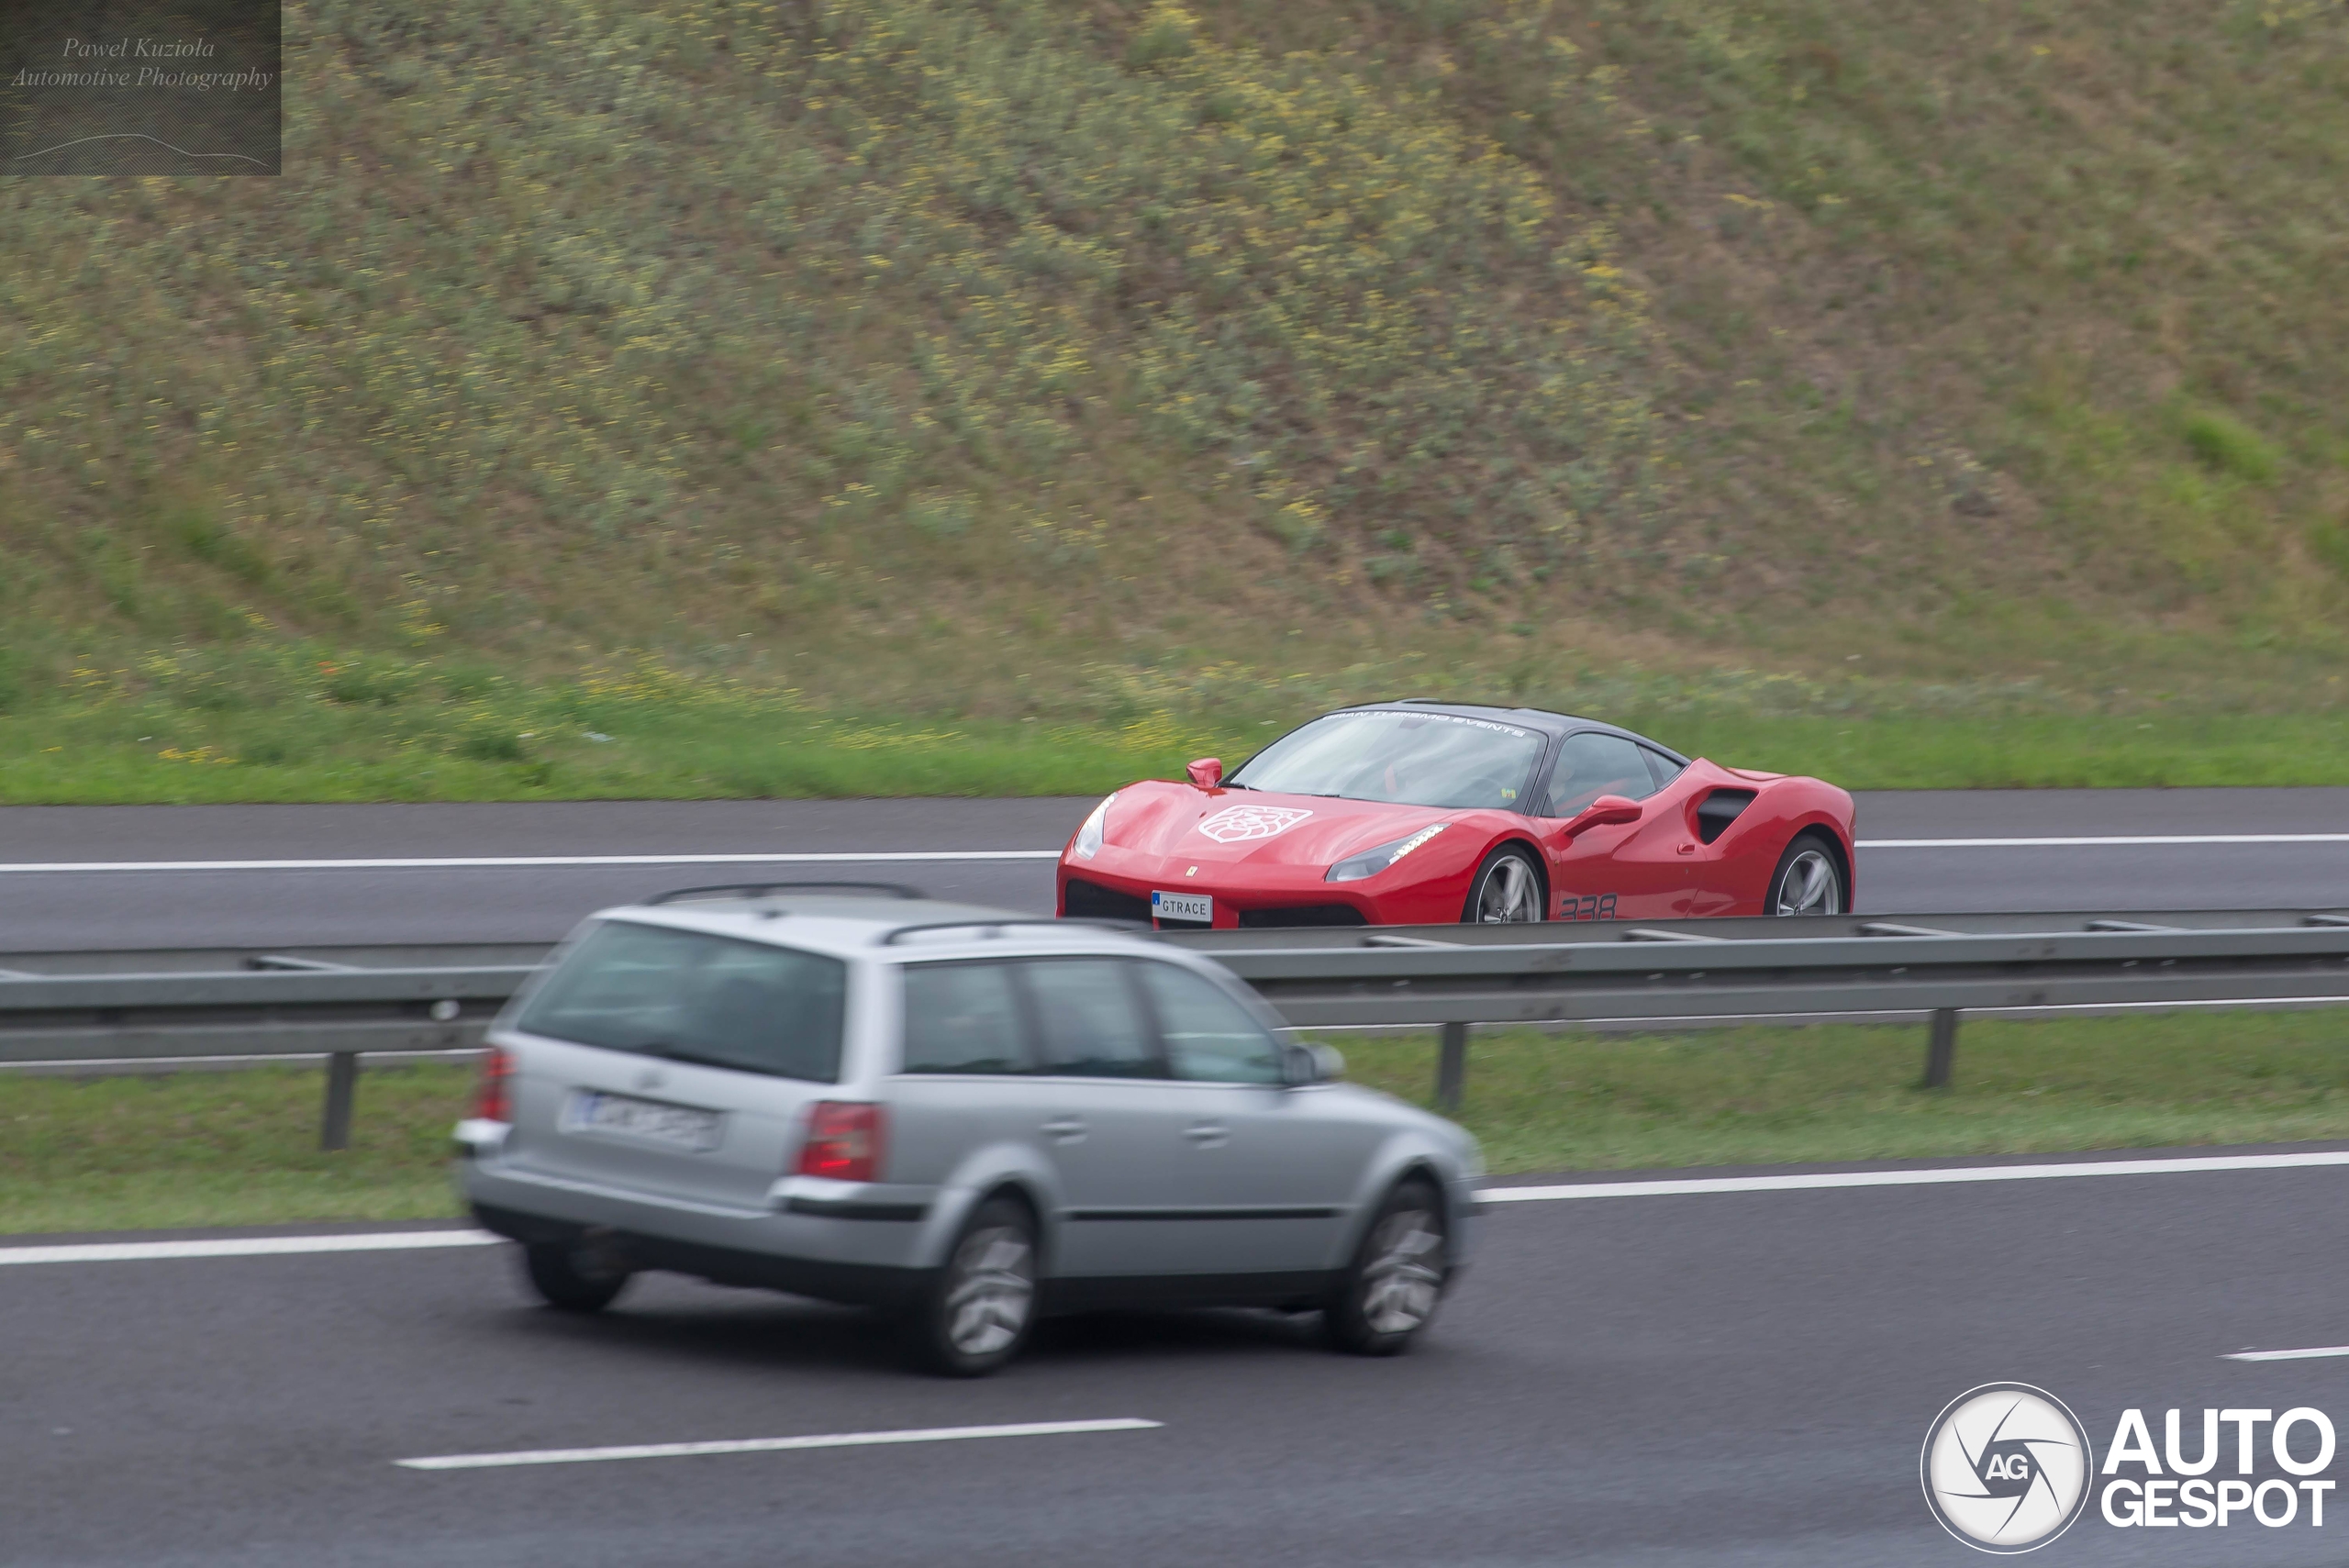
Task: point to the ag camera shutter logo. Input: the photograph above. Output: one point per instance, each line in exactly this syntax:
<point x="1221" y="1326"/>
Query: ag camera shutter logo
<point x="2006" y="1467"/>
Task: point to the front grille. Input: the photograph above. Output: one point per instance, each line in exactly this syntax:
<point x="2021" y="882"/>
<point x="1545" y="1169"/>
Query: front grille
<point x="1091" y="901"/>
<point x="1305" y="914"/>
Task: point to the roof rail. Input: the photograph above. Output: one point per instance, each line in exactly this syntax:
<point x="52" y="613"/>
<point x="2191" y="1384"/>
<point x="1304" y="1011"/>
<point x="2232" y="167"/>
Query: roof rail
<point x="993" y="924"/>
<point x="761" y="889"/>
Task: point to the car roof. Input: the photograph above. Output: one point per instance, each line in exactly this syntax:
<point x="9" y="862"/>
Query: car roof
<point x="1553" y="725"/>
<point x="885" y="928"/>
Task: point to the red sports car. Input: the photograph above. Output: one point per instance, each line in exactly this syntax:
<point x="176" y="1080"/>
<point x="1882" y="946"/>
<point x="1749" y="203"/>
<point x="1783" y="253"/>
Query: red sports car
<point x="1414" y="813"/>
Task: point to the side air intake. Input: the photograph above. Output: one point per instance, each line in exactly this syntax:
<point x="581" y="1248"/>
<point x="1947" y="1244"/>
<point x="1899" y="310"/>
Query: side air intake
<point x="1718" y="809"/>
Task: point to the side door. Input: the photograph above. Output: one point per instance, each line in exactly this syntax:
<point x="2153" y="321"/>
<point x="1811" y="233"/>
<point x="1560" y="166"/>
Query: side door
<point x="964" y="1076"/>
<point x="1102" y="1111"/>
<point x="1631" y="871"/>
<point x="1271" y="1180"/>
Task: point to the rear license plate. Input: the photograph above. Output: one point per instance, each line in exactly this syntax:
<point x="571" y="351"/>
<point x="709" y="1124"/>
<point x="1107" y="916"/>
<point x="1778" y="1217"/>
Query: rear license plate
<point x="1197" y="906"/>
<point x="678" y="1126"/>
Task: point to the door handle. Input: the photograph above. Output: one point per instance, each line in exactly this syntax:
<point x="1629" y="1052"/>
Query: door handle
<point x="1686" y="850"/>
<point x="1068" y="1130"/>
<point x="1207" y="1134"/>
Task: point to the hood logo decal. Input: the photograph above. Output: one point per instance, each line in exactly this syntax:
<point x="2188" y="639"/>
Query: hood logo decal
<point x="1239" y="824"/>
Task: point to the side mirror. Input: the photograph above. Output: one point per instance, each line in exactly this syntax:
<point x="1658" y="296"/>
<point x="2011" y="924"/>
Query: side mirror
<point x="1304" y="1065"/>
<point x="1207" y="772"/>
<point x="1606" y="811"/>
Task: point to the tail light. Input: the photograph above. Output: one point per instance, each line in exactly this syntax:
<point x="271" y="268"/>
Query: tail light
<point x="492" y="1095"/>
<point x="844" y="1141"/>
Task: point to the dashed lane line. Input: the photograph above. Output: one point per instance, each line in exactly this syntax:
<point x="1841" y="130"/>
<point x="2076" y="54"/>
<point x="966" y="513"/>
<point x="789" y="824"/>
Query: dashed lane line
<point x="770" y="1445"/>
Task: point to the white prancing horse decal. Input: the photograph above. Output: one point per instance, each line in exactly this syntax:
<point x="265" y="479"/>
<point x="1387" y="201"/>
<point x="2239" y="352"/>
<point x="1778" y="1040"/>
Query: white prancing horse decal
<point x="1238" y="824"/>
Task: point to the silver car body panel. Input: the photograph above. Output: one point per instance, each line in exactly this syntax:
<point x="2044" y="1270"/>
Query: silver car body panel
<point x="1132" y="1178"/>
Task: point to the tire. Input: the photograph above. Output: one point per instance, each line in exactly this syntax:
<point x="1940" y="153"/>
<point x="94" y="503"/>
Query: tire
<point x="977" y="1315"/>
<point x="1391" y="1289"/>
<point x="1808" y="881"/>
<point x="1506" y="890"/>
<point x="574" y="1276"/>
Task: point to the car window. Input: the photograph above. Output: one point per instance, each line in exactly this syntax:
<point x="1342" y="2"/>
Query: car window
<point x="963" y="1018"/>
<point x="1590" y="766"/>
<point x="1208" y="1035"/>
<point x="1406" y="758"/>
<point x="1662" y="767"/>
<point x="694" y="997"/>
<point x="1091" y="1018"/>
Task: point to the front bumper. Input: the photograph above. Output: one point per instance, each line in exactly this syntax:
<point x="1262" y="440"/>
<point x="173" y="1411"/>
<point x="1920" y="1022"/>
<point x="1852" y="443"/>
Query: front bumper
<point x="1117" y="884"/>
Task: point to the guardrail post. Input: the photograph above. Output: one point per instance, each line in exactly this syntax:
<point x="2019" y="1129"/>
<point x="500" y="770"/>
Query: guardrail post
<point x="1941" y="1047"/>
<point x="1451" y="1067"/>
<point x="342" y="1078"/>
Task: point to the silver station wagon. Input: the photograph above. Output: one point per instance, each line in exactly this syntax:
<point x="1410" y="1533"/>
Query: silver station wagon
<point x="964" y="1117"/>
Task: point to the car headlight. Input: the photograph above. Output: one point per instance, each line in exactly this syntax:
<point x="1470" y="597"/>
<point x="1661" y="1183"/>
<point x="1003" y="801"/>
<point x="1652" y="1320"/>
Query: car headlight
<point x="1370" y="862"/>
<point x="1088" y="838"/>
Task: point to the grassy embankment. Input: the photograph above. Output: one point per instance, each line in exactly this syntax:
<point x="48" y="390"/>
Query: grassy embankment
<point x="240" y="1147"/>
<point x="888" y="395"/>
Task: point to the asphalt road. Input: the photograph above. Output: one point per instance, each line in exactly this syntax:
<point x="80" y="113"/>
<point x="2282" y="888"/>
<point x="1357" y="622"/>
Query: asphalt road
<point x="47" y="911"/>
<point x="1732" y="1379"/>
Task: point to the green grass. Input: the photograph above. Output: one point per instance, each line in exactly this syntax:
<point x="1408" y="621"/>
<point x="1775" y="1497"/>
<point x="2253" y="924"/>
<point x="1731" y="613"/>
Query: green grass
<point x="903" y="366"/>
<point x="198" y="1149"/>
<point x="240" y="1147"/>
<point x="298" y="721"/>
<point x="1760" y="1095"/>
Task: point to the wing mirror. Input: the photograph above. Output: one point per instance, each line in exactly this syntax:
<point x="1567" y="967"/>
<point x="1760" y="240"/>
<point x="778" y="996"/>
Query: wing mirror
<point x="1304" y="1065"/>
<point x="1606" y="811"/>
<point x="1207" y="772"/>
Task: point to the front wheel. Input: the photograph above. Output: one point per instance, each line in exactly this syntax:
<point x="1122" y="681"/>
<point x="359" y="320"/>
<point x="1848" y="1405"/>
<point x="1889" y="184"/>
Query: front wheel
<point x="1507" y="891"/>
<point x="978" y="1313"/>
<point x="1807" y="881"/>
<point x="1391" y="1289"/>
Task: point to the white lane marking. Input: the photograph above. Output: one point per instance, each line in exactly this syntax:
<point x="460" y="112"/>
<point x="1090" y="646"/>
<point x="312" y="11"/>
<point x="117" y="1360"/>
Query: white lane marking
<point x="769" y="1445"/>
<point x="2320" y="1350"/>
<point x="1926" y="1178"/>
<point x="2120" y="840"/>
<point x="510" y="862"/>
<point x="244" y="1246"/>
<point x="916" y="856"/>
<point x="397" y="1240"/>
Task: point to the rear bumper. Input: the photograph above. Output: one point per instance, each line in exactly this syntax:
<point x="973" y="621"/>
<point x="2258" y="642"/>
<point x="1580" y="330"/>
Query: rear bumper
<point x="857" y="1285"/>
<point x="869" y="1254"/>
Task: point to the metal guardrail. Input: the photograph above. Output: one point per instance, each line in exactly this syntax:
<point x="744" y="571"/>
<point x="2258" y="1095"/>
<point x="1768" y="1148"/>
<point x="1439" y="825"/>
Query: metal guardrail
<point x="339" y="1002"/>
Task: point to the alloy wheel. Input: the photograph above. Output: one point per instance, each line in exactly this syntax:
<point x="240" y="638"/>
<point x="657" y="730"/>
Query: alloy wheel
<point x="1404" y="1275"/>
<point x="1509" y="894"/>
<point x="1809" y="886"/>
<point x="994" y="1290"/>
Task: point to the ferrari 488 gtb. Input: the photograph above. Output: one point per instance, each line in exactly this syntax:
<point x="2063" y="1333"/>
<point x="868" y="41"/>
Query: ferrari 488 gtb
<point x="1416" y="813"/>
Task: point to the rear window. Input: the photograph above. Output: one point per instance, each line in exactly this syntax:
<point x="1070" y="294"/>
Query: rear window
<point x="693" y="997"/>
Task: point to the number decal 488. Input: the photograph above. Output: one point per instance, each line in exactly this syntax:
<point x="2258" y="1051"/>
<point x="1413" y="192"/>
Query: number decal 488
<point x="1589" y="907"/>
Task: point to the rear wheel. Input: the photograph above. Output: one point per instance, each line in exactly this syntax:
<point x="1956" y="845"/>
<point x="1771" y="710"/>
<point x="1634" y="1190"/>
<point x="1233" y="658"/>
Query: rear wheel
<point x="1391" y="1289"/>
<point x="574" y="1276"/>
<point x="1507" y="891"/>
<point x="1808" y="881"/>
<point x="977" y="1315"/>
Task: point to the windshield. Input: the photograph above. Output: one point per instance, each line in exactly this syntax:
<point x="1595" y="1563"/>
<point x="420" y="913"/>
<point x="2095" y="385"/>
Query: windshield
<point x="693" y="997"/>
<point x="1405" y="759"/>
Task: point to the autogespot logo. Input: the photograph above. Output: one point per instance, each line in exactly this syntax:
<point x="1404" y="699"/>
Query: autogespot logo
<point x="2006" y="1467"/>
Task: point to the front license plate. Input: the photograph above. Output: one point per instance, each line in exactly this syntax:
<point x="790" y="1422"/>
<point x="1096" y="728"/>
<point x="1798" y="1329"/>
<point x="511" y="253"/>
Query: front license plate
<point x="678" y="1126"/>
<point x="1197" y="906"/>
